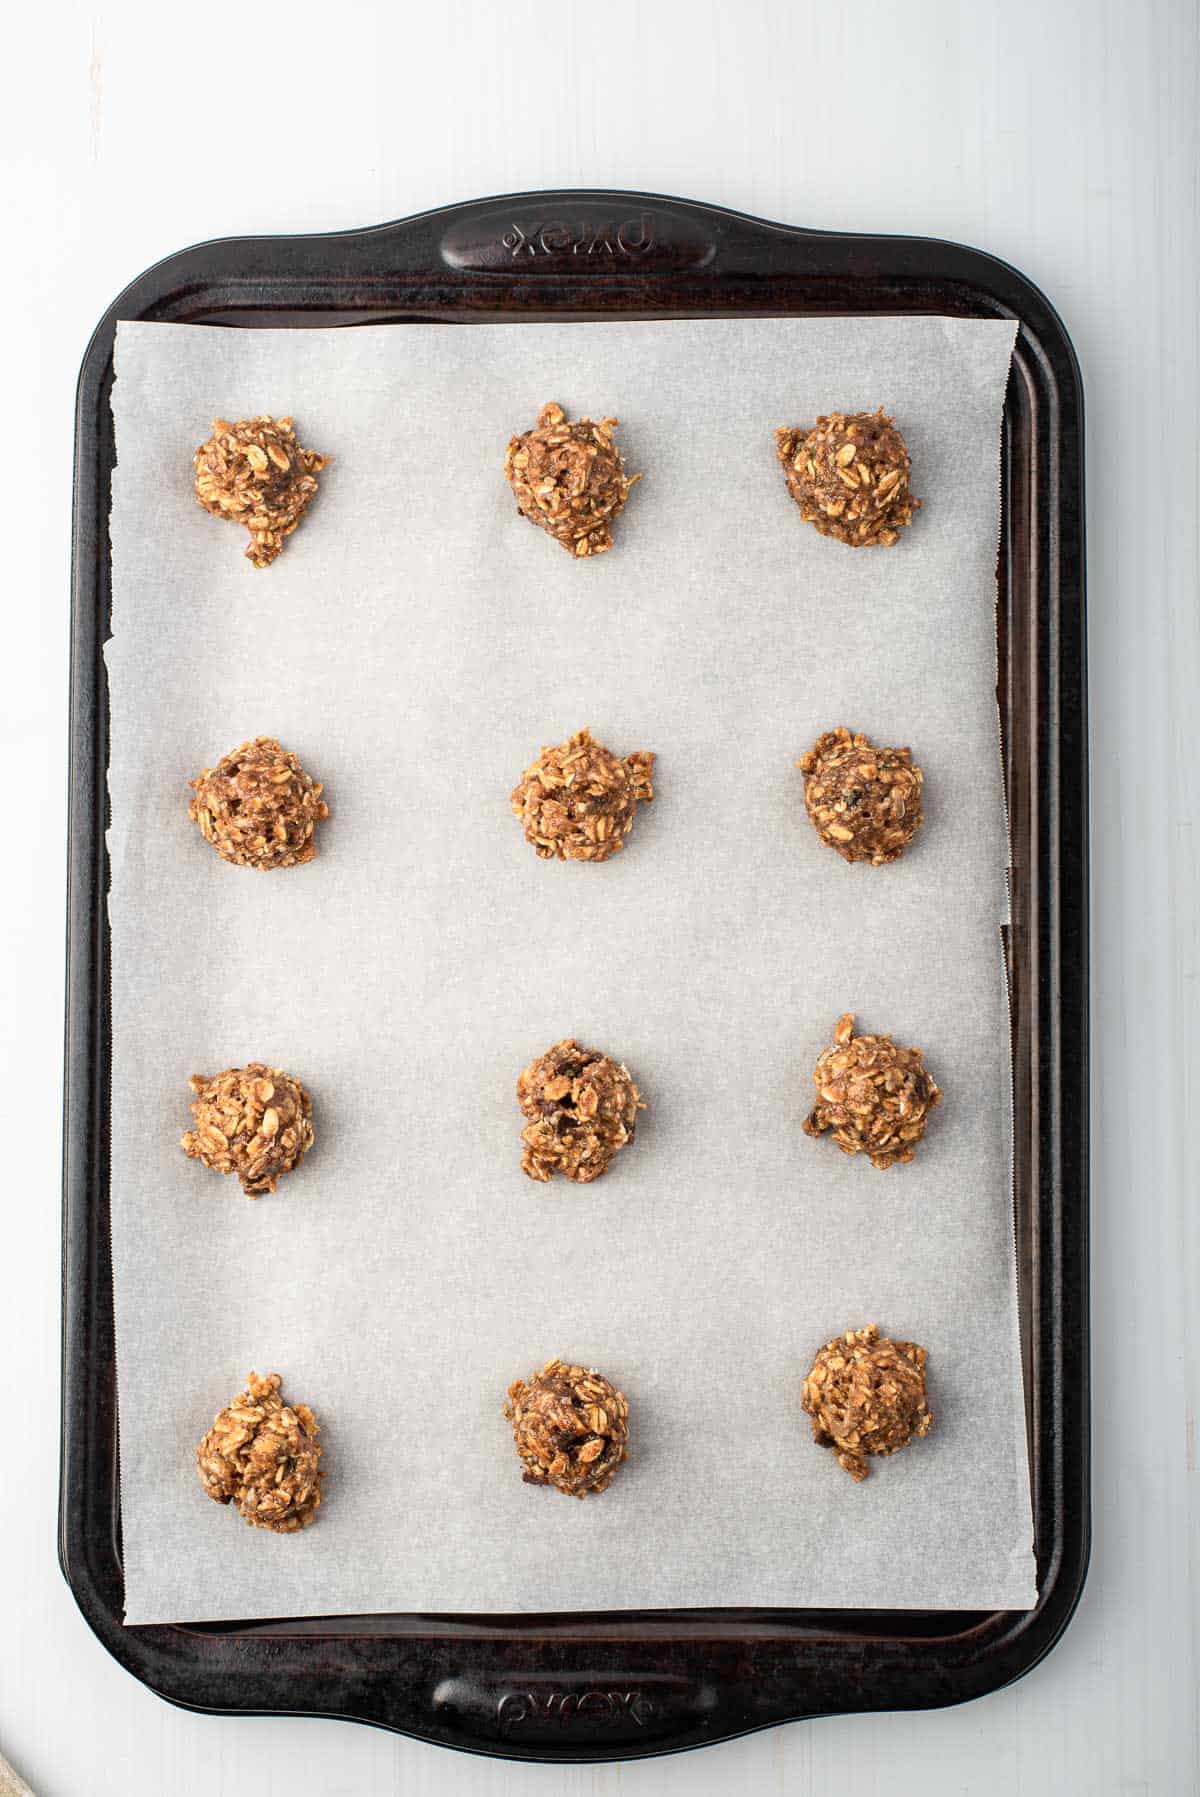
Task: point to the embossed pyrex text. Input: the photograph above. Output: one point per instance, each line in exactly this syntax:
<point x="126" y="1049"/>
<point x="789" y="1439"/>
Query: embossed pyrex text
<point x="634" y="237"/>
<point x="561" y="1708"/>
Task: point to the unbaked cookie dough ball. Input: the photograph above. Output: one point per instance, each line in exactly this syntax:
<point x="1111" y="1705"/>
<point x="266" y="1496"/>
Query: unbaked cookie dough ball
<point x="263" y="1456"/>
<point x="863" y="801"/>
<point x="254" y="472"/>
<point x="255" y="1121"/>
<point x="873" y="1095"/>
<point x="582" y="1108"/>
<point x="570" y="479"/>
<point x="849" y="476"/>
<point x="866" y="1396"/>
<point x="577" y="801"/>
<point x="258" y="807"/>
<point x="570" y="1426"/>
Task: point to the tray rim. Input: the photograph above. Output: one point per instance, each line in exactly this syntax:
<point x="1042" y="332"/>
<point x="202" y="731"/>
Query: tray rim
<point x="989" y="1650"/>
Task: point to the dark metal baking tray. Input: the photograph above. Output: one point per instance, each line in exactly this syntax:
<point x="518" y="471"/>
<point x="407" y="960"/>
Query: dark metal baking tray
<point x="616" y="1686"/>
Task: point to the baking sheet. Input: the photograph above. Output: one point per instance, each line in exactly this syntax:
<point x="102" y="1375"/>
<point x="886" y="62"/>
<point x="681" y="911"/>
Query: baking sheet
<point x="415" y="643"/>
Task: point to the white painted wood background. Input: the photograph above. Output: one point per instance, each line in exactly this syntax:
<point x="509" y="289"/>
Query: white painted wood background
<point x="1060" y="135"/>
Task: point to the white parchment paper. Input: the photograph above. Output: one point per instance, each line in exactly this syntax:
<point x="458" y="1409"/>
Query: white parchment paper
<point x="415" y="644"/>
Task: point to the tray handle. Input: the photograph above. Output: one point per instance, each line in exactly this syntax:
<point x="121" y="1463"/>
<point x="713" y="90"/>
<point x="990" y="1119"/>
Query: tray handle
<point x="593" y="234"/>
<point x="576" y="1712"/>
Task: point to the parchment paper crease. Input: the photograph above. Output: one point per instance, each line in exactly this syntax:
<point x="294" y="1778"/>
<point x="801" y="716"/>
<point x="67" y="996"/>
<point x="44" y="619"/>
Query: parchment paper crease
<point x="415" y="644"/>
